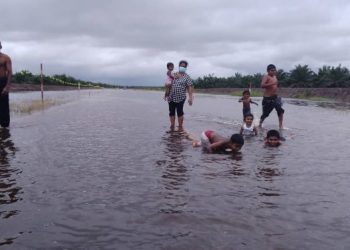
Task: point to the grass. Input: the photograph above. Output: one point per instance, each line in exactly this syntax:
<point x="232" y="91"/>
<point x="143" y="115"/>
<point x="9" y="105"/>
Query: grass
<point x="254" y="93"/>
<point x="31" y="106"/>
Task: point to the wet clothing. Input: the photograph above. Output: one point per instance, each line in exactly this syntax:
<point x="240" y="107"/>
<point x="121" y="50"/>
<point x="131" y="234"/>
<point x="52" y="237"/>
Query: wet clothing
<point x="270" y="103"/>
<point x="248" y="131"/>
<point x="178" y="107"/>
<point x="206" y="138"/>
<point x="4" y="105"/>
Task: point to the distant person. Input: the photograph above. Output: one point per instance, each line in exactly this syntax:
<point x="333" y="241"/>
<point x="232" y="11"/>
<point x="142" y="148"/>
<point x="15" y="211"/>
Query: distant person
<point x="214" y="142"/>
<point x="246" y="100"/>
<point x="271" y="100"/>
<point x="169" y="79"/>
<point x="248" y="128"/>
<point x="177" y="96"/>
<point x="273" y="138"/>
<point x="5" y="84"/>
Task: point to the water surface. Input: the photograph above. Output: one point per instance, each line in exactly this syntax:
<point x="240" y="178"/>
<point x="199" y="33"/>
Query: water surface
<point x="101" y="172"/>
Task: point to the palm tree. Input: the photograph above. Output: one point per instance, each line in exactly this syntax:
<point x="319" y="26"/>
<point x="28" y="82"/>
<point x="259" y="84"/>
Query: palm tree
<point x="301" y="76"/>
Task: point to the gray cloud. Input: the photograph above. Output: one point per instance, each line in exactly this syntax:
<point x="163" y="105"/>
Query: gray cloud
<point x="129" y="42"/>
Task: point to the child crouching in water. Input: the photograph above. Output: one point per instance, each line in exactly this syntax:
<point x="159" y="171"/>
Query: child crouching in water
<point x="248" y="128"/>
<point x="169" y="80"/>
<point x="273" y="138"/>
<point x="213" y="142"/>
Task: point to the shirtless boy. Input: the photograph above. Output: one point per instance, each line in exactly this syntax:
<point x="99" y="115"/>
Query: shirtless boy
<point x="5" y="83"/>
<point x="271" y="100"/>
<point x="213" y="142"/>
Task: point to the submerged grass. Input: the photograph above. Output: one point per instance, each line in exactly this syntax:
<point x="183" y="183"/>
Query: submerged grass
<point x="32" y="106"/>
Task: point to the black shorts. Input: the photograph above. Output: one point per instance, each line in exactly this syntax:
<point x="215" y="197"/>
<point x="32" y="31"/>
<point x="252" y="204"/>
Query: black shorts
<point x="246" y="111"/>
<point x="270" y="103"/>
<point x="178" y="107"/>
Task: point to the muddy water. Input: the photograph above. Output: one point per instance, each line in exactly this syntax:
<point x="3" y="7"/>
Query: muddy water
<point x="101" y="172"/>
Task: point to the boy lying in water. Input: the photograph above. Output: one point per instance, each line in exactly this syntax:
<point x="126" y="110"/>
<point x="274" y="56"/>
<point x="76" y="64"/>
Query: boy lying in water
<point x="213" y="142"/>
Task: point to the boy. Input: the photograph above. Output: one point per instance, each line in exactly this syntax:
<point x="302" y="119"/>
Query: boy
<point x="246" y="102"/>
<point x="214" y="142"/>
<point x="248" y="128"/>
<point x="271" y="100"/>
<point x="272" y="138"/>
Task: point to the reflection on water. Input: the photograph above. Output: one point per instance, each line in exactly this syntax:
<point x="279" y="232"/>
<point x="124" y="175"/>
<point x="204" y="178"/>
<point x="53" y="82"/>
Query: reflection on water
<point x="174" y="175"/>
<point x="10" y="193"/>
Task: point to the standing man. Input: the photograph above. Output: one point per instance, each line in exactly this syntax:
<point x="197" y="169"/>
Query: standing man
<point x="271" y="100"/>
<point x="5" y="83"/>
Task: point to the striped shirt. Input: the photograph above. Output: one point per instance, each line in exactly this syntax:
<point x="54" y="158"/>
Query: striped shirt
<point x="178" y="89"/>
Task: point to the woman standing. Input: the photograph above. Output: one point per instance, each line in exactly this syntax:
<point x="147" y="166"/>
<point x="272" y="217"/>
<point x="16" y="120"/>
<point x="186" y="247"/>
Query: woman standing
<point x="177" y="97"/>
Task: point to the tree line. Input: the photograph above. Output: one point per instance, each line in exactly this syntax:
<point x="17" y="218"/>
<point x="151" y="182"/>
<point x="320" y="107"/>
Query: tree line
<point x="25" y="76"/>
<point x="299" y="77"/>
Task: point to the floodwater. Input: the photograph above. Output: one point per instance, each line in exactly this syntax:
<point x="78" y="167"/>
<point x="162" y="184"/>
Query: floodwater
<point x="100" y="171"/>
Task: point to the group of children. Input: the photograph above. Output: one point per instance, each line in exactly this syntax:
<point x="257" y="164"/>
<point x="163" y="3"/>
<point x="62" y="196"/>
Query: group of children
<point x="212" y="141"/>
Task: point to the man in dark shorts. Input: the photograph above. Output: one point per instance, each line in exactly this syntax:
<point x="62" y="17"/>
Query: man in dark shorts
<point x="5" y="83"/>
<point x="271" y="100"/>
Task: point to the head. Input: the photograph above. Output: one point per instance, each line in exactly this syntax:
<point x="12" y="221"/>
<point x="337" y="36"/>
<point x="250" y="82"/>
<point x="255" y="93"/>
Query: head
<point x="271" y="70"/>
<point x="183" y="66"/>
<point x="170" y="66"/>
<point x="272" y="138"/>
<point x="246" y="93"/>
<point x="248" y="119"/>
<point x="236" y="142"/>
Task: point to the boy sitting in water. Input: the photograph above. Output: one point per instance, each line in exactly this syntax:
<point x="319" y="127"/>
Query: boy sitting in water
<point x="214" y="142"/>
<point x="272" y="138"/>
<point x="248" y="128"/>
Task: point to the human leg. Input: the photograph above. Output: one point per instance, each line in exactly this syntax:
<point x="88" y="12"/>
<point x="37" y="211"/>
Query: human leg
<point x="280" y="112"/>
<point x="4" y="111"/>
<point x="172" y="107"/>
<point x="267" y="107"/>
<point x="180" y="114"/>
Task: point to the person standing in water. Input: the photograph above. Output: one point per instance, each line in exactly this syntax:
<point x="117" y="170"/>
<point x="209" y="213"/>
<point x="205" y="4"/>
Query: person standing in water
<point x="5" y="83"/>
<point x="177" y="97"/>
<point x="271" y="100"/>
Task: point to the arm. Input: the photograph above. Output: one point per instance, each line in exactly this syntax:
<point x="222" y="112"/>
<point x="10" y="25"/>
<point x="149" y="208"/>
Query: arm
<point x="241" y="99"/>
<point x="254" y="102"/>
<point x="190" y="94"/>
<point x="9" y="76"/>
<point x="255" y="130"/>
<point x="265" y="83"/>
<point x="217" y="145"/>
<point x="241" y="131"/>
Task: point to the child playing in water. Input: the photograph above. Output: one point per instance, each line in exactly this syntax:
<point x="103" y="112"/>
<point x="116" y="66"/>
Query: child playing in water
<point x="246" y="102"/>
<point x="272" y="138"/>
<point x="248" y="128"/>
<point x="169" y="80"/>
<point x="214" y="142"/>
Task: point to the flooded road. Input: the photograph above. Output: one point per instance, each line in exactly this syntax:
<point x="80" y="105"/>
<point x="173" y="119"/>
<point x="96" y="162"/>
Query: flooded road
<point x="100" y="171"/>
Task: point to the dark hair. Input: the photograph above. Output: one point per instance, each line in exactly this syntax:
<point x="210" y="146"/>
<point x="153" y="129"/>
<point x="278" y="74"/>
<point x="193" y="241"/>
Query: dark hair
<point x="273" y="133"/>
<point x="237" y="139"/>
<point x="248" y="114"/>
<point x="246" y="92"/>
<point x="169" y="64"/>
<point x="183" y="61"/>
<point x="270" y="66"/>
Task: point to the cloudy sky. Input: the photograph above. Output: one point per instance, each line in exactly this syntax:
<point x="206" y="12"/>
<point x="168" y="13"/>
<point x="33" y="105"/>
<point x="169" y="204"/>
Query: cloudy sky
<point x="130" y="42"/>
